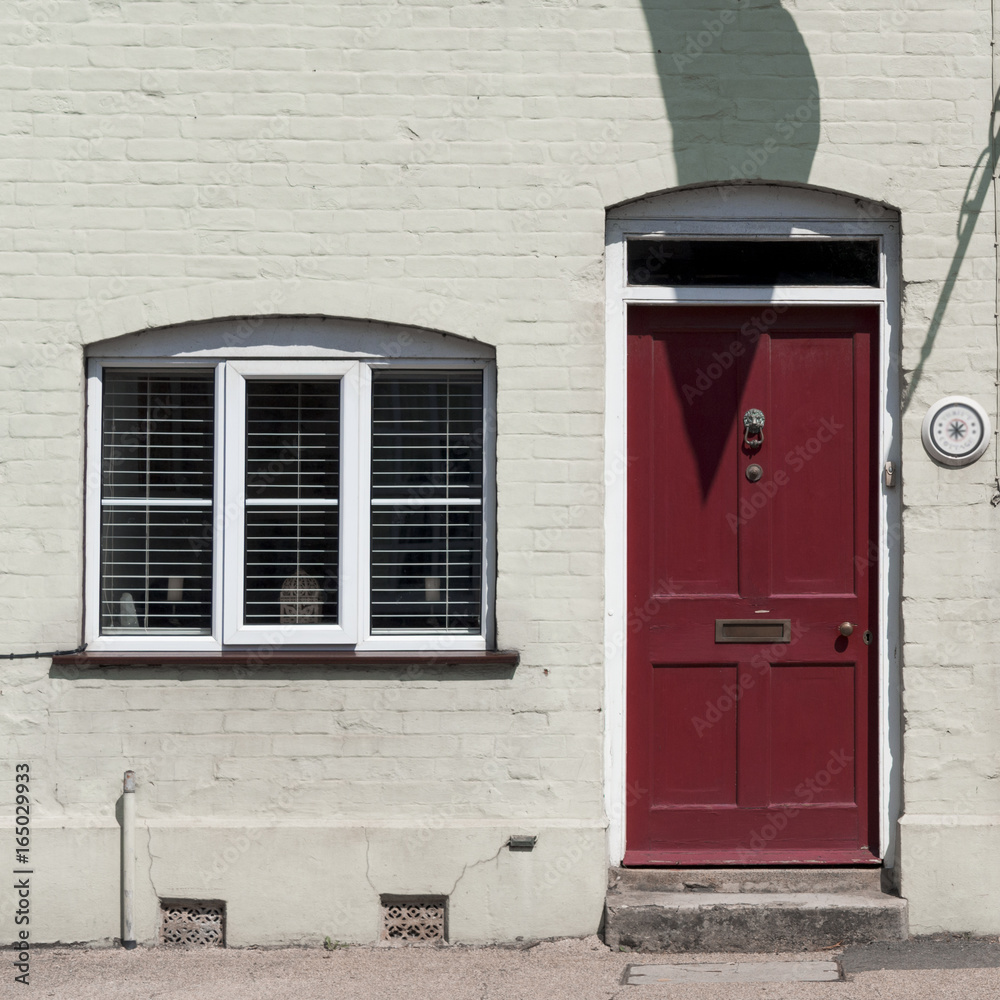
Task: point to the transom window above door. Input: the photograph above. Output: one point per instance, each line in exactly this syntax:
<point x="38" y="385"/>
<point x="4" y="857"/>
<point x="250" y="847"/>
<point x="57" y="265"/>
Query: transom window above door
<point x="707" y="261"/>
<point x="283" y="503"/>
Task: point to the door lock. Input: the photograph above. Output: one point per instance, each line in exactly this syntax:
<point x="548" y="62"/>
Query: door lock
<point x="846" y="628"/>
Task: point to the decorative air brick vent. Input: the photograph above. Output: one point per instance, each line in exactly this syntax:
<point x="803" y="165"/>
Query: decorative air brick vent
<point x="197" y="924"/>
<point x="413" y="919"/>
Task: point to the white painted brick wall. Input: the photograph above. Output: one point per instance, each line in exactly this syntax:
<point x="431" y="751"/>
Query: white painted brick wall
<point x="159" y="157"/>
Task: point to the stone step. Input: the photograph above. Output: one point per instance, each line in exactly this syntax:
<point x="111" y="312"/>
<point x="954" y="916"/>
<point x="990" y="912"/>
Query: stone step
<point x="638" y="920"/>
<point x="747" y="879"/>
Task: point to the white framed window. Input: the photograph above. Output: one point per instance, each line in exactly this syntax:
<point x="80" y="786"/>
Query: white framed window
<point x="251" y="503"/>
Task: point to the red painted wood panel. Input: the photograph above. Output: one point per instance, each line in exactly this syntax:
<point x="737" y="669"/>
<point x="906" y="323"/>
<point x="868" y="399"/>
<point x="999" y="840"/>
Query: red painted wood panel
<point x="700" y="558"/>
<point x="812" y="758"/>
<point x="747" y="753"/>
<point x="687" y="709"/>
<point x="811" y="416"/>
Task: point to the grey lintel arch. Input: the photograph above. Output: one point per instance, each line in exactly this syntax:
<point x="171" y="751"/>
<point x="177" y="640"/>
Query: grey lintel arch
<point x="740" y="91"/>
<point x="292" y="336"/>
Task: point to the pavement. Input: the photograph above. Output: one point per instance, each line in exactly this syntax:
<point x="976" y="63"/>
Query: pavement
<point x="570" y="969"/>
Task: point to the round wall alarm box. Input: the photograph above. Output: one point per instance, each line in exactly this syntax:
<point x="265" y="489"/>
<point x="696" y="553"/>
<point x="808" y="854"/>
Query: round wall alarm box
<point x="956" y="431"/>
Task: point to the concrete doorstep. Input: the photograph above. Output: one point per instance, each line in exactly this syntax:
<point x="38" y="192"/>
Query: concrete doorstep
<point x="741" y="910"/>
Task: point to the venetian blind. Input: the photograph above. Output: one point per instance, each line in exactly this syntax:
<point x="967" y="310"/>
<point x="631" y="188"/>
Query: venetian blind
<point x="427" y="502"/>
<point x="157" y="461"/>
<point x="292" y="502"/>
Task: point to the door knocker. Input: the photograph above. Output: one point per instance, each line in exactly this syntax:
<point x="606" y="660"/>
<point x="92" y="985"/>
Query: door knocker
<point x="753" y="433"/>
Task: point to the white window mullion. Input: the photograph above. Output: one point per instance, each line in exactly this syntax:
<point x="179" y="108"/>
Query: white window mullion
<point x="352" y="449"/>
<point x="219" y="521"/>
<point x="92" y="610"/>
<point x="234" y="493"/>
<point x="489" y="502"/>
<point x="238" y="630"/>
<point x="362" y="494"/>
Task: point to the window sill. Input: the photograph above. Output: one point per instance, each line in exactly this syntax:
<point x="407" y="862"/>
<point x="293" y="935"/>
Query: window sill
<point x="290" y="658"/>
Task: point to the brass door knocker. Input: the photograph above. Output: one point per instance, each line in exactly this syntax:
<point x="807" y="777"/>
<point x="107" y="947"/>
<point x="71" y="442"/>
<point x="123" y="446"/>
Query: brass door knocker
<point x="753" y="429"/>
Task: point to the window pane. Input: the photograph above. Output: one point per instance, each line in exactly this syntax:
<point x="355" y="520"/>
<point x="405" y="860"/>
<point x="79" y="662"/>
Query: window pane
<point x="426" y="568"/>
<point x="753" y="262"/>
<point x="158" y="435"/>
<point x="427" y="436"/>
<point x="291" y="565"/>
<point x="427" y="491"/>
<point x="156" y="569"/>
<point x="292" y="548"/>
<point x="293" y="440"/>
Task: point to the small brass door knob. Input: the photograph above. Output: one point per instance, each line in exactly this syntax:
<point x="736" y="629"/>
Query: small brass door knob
<point x="846" y="628"/>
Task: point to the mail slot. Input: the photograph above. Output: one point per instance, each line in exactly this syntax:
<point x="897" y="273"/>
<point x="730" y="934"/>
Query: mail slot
<point x="753" y="630"/>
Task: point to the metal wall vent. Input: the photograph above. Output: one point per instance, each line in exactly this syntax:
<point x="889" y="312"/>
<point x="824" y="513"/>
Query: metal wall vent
<point x="414" y="919"/>
<point x="195" y="923"/>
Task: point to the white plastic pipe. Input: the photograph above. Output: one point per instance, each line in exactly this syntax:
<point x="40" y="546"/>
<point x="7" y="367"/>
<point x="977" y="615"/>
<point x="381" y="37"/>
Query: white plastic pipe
<point x="128" y="860"/>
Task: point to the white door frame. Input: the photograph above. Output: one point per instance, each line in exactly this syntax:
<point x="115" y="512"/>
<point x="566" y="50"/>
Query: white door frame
<point x="746" y="212"/>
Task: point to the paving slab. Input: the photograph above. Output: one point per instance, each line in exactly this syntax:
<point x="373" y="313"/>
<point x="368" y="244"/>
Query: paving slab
<point x="923" y="953"/>
<point x="551" y="970"/>
<point x="734" y="972"/>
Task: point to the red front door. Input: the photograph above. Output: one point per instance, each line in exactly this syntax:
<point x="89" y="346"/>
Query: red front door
<point x="749" y="713"/>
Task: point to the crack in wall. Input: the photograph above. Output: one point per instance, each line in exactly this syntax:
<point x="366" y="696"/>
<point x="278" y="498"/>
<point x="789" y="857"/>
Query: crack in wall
<point x="149" y="850"/>
<point x="368" y="861"/>
<point x="476" y="864"/>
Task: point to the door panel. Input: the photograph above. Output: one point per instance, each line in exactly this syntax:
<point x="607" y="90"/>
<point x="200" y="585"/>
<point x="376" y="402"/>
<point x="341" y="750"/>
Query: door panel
<point x="699" y="771"/>
<point x="750" y="752"/>
<point x="701" y="560"/>
<point x="813" y="752"/>
<point x="811" y="522"/>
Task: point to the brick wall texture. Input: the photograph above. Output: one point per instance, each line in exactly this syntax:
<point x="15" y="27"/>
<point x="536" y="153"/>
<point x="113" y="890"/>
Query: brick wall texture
<point x="450" y="164"/>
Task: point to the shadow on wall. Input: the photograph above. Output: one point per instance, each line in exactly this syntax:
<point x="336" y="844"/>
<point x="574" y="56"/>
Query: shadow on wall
<point x="973" y="199"/>
<point x="739" y="86"/>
